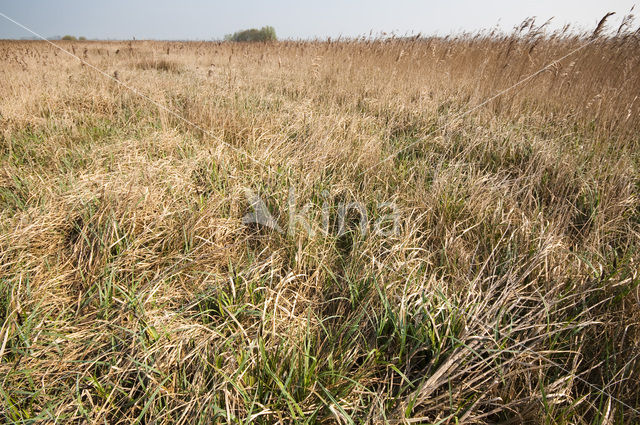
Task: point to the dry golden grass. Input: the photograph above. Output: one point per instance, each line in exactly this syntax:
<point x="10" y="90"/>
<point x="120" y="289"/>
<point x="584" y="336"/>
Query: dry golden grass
<point x="132" y="291"/>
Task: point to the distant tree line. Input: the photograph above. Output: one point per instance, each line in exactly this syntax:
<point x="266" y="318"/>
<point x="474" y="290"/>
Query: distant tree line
<point x="267" y="33"/>
<point x="73" y="38"/>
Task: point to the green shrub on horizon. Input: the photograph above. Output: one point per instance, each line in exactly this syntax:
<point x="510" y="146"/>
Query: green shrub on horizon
<point x="263" y="34"/>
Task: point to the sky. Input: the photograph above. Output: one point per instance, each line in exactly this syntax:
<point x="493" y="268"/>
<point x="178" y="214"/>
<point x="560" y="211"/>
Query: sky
<point x="293" y="19"/>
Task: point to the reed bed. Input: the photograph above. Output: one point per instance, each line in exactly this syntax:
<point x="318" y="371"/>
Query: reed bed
<point x="132" y="290"/>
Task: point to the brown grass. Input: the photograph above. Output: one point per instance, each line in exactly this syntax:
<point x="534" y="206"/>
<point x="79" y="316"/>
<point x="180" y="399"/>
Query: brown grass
<point x="131" y="290"/>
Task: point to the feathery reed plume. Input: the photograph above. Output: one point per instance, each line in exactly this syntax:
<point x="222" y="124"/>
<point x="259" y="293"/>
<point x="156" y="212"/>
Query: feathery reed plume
<point x="601" y="24"/>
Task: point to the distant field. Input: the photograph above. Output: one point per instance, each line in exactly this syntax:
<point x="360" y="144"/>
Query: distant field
<point x="452" y="264"/>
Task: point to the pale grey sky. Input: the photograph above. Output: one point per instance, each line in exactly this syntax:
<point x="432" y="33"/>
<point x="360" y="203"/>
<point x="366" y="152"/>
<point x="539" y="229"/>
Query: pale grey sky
<point x="205" y="20"/>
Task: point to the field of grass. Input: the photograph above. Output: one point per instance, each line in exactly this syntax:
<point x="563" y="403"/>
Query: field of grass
<point x="496" y="281"/>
